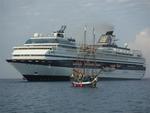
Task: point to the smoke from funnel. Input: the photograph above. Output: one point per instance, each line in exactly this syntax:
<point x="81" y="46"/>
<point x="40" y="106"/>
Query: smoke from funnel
<point x="142" y="43"/>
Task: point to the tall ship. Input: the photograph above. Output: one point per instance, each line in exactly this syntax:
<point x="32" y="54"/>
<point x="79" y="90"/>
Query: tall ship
<point x="53" y="57"/>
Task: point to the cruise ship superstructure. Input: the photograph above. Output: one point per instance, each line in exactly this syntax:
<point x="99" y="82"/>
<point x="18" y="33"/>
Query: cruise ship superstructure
<point x="51" y="58"/>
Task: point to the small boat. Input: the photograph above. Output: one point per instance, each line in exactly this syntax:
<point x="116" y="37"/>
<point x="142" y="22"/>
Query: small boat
<point x="85" y="71"/>
<point x="85" y="82"/>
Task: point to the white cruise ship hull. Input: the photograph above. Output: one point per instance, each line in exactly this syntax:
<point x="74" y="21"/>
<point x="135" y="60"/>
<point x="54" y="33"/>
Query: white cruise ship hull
<point x="33" y="72"/>
<point x="36" y="72"/>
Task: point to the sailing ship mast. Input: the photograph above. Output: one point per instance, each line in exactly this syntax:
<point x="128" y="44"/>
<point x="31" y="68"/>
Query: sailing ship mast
<point x="84" y="49"/>
<point x="88" y="51"/>
<point x="93" y="49"/>
<point x="83" y="76"/>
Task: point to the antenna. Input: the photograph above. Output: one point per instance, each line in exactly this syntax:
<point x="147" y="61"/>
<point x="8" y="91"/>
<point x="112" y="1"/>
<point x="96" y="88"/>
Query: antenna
<point x="85" y="29"/>
<point x="93" y="49"/>
<point x="93" y="37"/>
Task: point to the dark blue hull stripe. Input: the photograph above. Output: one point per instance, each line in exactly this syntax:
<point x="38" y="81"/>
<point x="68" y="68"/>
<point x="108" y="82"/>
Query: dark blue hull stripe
<point x="64" y="78"/>
<point x="73" y="63"/>
<point x="46" y="78"/>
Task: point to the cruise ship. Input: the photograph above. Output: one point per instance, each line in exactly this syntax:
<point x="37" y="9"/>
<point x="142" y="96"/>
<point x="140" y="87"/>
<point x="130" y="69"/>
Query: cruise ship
<point x="52" y="57"/>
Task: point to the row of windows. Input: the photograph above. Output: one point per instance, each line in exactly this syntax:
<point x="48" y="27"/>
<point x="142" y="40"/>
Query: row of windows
<point x="30" y="48"/>
<point x="35" y="41"/>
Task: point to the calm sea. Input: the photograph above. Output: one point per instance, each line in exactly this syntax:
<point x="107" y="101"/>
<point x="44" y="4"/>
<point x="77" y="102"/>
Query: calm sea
<point x="18" y="96"/>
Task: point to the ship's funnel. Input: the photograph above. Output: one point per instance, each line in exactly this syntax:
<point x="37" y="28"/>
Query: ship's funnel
<point x="109" y="32"/>
<point x="107" y="39"/>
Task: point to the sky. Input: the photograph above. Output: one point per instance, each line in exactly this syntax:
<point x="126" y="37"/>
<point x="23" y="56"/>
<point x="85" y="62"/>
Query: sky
<point x="19" y="19"/>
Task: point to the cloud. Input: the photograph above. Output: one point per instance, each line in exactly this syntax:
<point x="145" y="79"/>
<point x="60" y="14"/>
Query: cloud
<point x="142" y="42"/>
<point x="89" y="4"/>
<point x="33" y="13"/>
<point x="117" y="1"/>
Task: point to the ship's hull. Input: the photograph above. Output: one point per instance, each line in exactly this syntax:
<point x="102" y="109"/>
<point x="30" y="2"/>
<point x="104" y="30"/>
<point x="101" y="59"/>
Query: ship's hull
<point x="40" y="72"/>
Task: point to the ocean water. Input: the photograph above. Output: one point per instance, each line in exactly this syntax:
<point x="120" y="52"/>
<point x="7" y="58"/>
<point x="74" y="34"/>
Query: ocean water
<point x="129" y="96"/>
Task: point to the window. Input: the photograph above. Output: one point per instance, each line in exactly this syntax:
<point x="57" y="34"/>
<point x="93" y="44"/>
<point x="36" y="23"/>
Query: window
<point x="34" y="41"/>
<point x="31" y="41"/>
